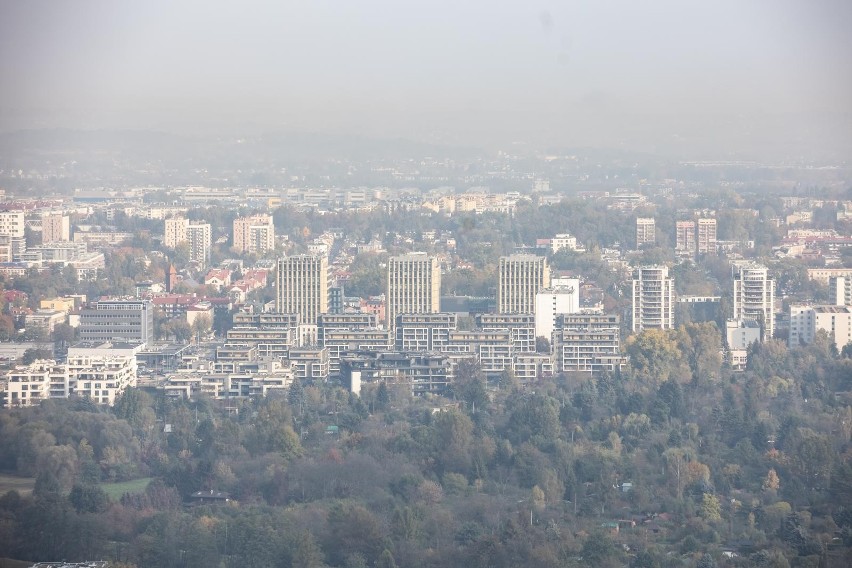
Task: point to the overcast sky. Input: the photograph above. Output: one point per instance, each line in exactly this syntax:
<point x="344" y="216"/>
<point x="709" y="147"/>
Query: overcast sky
<point x="595" y="71"/>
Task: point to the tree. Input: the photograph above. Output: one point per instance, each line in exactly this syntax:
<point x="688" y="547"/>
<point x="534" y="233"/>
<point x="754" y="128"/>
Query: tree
<point x="88" y="498"/>
<point x="771" y="482"/>
<point x="469" y="384"/>
<point x="386" y="560"/>
<point x="33" y="354"/>
<point x="711" y="509"/>
<point x="201" y="326"/>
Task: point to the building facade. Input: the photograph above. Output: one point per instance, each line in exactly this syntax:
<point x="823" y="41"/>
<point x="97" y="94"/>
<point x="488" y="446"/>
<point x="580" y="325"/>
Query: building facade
<point x="519" y="278"/>
<point x="807" y="321"/>
<point x="414" y="286"/>
<point x="127" y="320"/>
<point x="685" y="236"/>
<point x="646" y="231"/>
<point x="549" y="303"/>
<point x="653" y="299"/>
<point x="55" y="227"/>
<point x="706" y="236"/>
<point x="302" y="287"/>
<point x="254" y="234"/>
<point x="754" y="297"/>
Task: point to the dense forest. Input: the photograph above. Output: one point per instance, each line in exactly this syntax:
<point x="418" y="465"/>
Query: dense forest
<point x="675" y="461"/>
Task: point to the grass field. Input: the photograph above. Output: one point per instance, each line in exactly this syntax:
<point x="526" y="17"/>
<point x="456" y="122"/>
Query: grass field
<point x="116" y="490"/>
<point x="23" y="485"/>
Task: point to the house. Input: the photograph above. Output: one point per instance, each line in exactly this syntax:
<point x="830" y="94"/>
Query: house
<point x="218" y="278"/>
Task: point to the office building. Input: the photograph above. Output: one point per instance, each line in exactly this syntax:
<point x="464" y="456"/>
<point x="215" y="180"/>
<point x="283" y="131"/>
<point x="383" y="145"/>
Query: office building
<point x="254" y="234"/>
<point x="519" y="278"/>
<point x="414" y="286"/>
<point x="55" y="227"/>
<point x="302" y="287"/>
<point x="653" y="299"/>
<point x="646" y="231"/>
<point x="706" y="236"/>
<point x="754" y="297"/>
<point x="123" y="320"/>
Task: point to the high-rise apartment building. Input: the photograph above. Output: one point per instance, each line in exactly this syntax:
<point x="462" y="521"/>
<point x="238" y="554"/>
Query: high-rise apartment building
<point x="646" y="231"/>
<point x="706" y="236"/>
<point x="118" y="320"/>
<point x="840" y="290"/>
<point x="198" y="236"/>
<point x="685" y="236"/>
<point x="254" y="234"/>
<point x="519" y="278"/>
<point x="200" y="239"/>
<point x="302" y="287"/>
<point x="12" y="223"/>
<point x="55" y="227"/>
<point x="175" y="231"/>
<point x="754" y="297"/>
<point x="414" y="286"/>
<point x="653" y="298"/>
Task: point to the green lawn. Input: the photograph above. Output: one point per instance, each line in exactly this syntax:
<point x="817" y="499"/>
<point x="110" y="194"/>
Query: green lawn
<point x="23" y="485"/>
<point x="116" y="490"/>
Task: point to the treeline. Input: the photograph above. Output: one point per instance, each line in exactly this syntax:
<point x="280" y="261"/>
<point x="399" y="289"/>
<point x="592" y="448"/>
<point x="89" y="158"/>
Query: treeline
<point x="667" y="463"/>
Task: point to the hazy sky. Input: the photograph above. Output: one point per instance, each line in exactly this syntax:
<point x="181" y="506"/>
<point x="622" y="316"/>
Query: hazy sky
<point x="596" y="71"/>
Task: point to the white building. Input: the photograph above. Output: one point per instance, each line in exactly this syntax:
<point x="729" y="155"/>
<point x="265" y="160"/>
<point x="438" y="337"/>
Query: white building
<point x="653" y="299"/>
<point x="754" y="296"/>
<point x="55" y="227"/>
<point x="840" y="290"/>
<point x="414" y="286"/>
<point x="254" y="234"/>
<point x="519" y="278"/>
<point x="563" y="241"/>
<point x="646" y="231"/>
<point x="198" y="236"/>
<point x="806" y="321"/>
<point x="551" y="302"/>
<point x="96" y="377"/>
